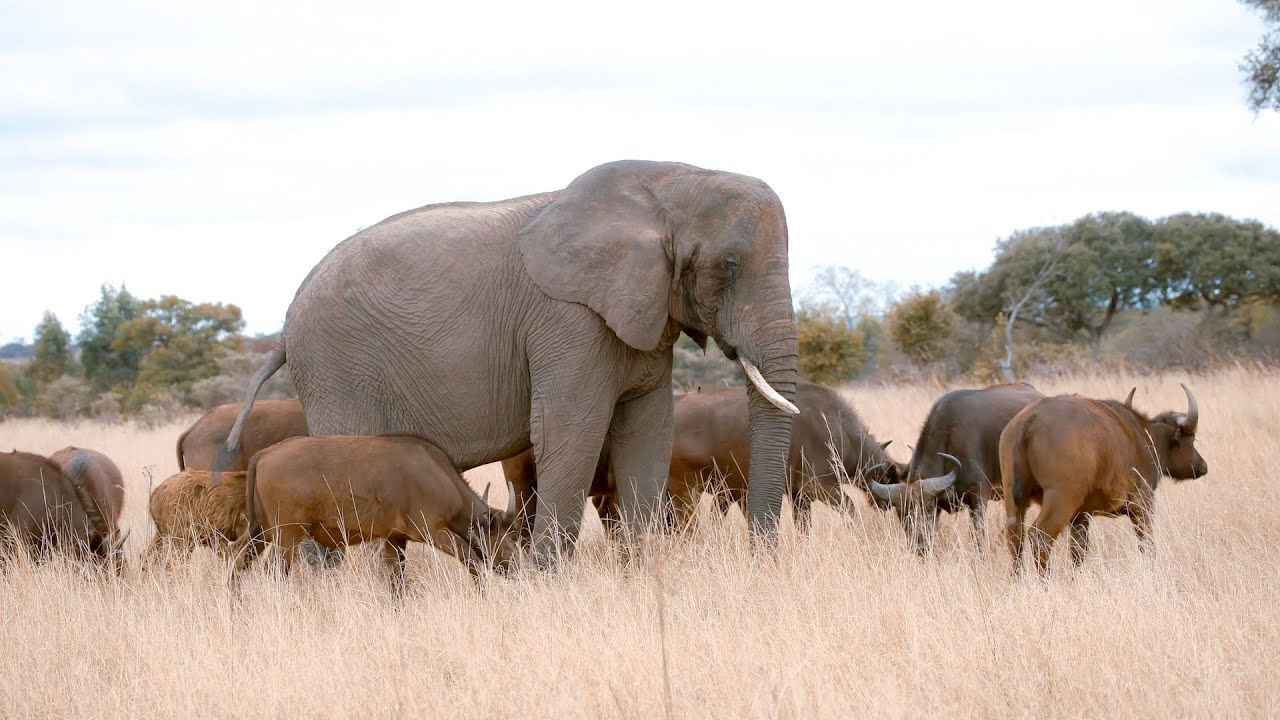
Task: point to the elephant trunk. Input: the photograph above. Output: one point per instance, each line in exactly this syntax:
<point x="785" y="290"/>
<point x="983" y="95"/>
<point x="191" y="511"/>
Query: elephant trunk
<point x="770" y="429"/>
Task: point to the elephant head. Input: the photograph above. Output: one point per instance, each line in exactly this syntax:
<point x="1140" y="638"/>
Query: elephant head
<point x="654" y="248"/>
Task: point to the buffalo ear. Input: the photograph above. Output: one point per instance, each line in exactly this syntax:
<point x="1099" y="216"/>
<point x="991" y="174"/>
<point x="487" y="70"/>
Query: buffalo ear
<point x="604" y="242"/>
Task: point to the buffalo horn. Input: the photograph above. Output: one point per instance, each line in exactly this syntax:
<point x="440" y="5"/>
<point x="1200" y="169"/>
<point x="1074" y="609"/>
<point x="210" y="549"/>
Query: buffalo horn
<point x="1192" y="418"/>
<point x="511" y="499"/>
<point x="930" y="487"/>
<point x="485" y="497"/>
<point x="773" y="396"/>
<point x="887" y="493"/>
<point x="1128" y="402"/>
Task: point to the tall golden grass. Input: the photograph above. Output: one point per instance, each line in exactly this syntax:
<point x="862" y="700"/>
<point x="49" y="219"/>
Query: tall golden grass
<point x="844" y="622"/>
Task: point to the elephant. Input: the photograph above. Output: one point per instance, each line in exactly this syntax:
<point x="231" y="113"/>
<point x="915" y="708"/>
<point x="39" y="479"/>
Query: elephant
<point x="548" y="321"/>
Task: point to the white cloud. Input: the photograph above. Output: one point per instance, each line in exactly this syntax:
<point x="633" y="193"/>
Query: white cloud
<point x="216" y="152"/>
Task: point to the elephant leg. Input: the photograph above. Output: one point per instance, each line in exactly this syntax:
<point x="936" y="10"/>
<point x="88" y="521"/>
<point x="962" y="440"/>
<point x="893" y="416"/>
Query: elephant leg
<point x="640" y="438"/>
<point x="567" y="441"/>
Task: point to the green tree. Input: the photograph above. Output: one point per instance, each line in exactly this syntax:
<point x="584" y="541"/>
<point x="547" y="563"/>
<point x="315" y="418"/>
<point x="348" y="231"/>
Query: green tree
<point x="52" y="356"/>
<point x="100" y="322"/>
<point x="1210" y="260"/>
<point x="10" y="395"/>
<point x="180" y="342"/>
<point x="920" y="324"/>
<point x="830" y="350"/>
<point x="1261" y="65"/>
<point x="1069" y="280"/>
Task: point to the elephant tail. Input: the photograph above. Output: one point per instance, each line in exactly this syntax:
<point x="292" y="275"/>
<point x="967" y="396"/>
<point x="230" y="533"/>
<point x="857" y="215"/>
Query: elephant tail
<point x="229" y="451"/>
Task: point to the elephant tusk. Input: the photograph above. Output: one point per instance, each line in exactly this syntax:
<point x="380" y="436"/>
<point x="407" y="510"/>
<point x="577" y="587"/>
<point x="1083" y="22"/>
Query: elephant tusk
<point x="773" y="396"/>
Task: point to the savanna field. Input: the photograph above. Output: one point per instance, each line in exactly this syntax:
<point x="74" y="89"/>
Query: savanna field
<point x="844" y="622"/>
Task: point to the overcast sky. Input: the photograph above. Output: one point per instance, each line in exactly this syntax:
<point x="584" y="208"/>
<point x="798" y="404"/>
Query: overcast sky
<point x="216" y="151"/>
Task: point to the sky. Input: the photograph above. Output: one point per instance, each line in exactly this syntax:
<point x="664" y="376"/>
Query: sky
<point x="216" y="151"/>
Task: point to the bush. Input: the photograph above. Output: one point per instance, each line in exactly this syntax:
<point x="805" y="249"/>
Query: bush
<point x="920" y="325"/>
<point x="831" y="352"/>
<point x="65" y="398"/>
<point x="235" y="370"/>
<point x="107" y="407"/>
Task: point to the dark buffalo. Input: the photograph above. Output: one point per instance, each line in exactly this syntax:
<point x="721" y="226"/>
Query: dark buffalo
<point x="1079" y="457"/>
<point x="710" y="453"/>
<point x="966" y="425"/>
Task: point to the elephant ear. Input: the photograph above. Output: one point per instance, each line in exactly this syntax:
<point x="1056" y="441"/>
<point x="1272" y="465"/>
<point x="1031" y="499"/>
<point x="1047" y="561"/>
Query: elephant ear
<point x="604" y="242"/>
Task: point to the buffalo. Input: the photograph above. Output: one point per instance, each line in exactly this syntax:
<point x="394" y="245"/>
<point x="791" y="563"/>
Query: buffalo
<point x="188" y="512"/>
<point x="710" y="453"/>
<point x="1078" y="457"/>
<point x="343" y="490"/>
<point x="270" y="421"/>
<point x="962" y="430"/>
<point x="41" y="508"/>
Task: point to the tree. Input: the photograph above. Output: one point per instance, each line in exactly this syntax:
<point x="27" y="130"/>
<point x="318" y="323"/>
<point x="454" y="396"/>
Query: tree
<point x="1261" y="65"/>
<point x="100" y="322"/>
<point x="1210" y="260"/>
<point x="180" y="342"/>
<point x="920" y="324"/>
<point x="52" y="356"/>
<point x="1017" y="298"/>
<point x="851" y="294"/>
<point x="830" y="350"/>
<point x="10" y="395"/>
<point x="1079" y="276"/>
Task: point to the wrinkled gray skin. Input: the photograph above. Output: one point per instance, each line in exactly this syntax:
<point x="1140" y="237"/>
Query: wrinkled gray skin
<point x="549" y="320"/>
<point x="965" y="424"/>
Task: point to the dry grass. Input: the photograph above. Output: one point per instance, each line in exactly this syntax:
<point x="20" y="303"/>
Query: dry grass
<point x="845" y="622"/>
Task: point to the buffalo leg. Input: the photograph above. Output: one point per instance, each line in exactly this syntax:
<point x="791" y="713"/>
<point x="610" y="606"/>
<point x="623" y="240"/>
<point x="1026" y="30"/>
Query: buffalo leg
<point x="684" y="501"/>
<point x="1141" y="515"/>
<point x="1055" y="514"/>
<point x="607" y="508"/>
<point x="802" y="506"/>
<point x="1014" y="535"/>
<point x="1079" y="538"/>
<point x="393" y="558"/>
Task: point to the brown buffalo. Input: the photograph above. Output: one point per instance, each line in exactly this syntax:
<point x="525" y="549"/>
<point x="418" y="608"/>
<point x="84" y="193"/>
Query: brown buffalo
<point x="100" y="475"/>
<point x="344" y="490"/>
<point x="711" y="453"/>
<point x="188" y="513"/>
<point x="269" y="422"/>
<point x="42" y="508"/>
<point x="1079" y="457"/>
<point x="964" y="425"/>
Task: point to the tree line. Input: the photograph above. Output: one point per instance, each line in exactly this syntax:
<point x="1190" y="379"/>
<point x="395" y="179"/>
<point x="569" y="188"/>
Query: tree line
<point x="1114" y="287"/>
<point x="1187" y="290"/>
<point x="133" y="357"/>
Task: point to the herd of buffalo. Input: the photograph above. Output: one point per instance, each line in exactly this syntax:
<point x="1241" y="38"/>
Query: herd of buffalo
<point x="1074" y="456"/>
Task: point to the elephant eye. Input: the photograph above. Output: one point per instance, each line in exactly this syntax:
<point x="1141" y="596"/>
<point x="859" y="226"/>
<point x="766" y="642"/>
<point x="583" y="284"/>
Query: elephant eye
<point x="731" y="267"/>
